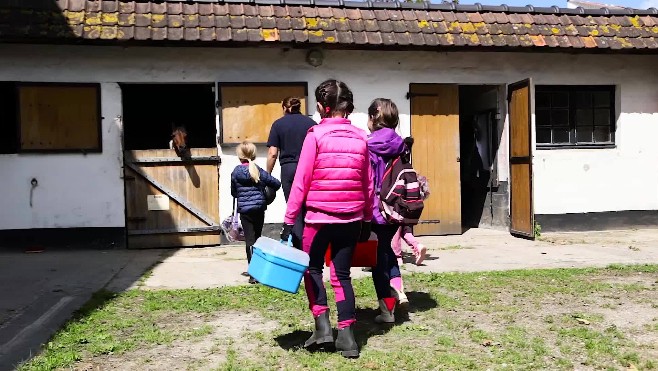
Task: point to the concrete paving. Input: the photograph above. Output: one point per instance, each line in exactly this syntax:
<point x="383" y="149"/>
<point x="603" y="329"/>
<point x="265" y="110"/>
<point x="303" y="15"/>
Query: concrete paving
<point x="476" y="250"/>
<point x="40" y="291"/>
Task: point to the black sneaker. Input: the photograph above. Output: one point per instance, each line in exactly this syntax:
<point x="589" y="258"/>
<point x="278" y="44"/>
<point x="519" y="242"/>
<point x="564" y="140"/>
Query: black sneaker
<point x="252" y="280"/>
<point x="244" y="274"/>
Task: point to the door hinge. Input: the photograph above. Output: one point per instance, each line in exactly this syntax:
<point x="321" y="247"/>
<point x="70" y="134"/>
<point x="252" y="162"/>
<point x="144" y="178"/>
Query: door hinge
<point x="412" y="95"/>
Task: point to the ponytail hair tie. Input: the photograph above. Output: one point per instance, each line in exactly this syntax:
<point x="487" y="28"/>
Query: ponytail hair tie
<point x="327" y="109"/>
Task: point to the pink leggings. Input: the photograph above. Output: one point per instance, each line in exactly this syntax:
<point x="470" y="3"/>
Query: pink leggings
<point x="404" y="233"/>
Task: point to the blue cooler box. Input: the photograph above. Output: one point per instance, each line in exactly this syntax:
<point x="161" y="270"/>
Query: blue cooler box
<point x="278" y="265"/>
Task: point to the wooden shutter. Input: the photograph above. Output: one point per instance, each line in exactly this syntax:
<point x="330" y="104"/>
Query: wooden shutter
<point x="59" y="117"/>
<point x="248" y="111"/>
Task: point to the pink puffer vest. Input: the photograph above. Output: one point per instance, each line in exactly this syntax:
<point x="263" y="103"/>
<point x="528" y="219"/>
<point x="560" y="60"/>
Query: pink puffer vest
<point x="337" y="183"/>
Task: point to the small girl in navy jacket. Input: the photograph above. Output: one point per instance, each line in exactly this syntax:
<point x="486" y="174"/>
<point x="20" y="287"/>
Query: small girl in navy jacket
<point x="248" y="183"/>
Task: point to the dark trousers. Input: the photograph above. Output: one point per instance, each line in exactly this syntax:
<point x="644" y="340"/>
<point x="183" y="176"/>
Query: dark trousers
<point x="343" y="239"/>
<point x="287" y="177"/>
<point x="387" y="264"/>
<point x="252" y="224"/>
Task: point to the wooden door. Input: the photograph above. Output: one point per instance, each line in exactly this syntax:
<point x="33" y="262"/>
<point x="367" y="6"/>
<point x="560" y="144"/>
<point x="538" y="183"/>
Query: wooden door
<point x="172" y="202"/>
<point x="435" y="128"/>
<point x="520" y="98"/>
<point x="248" y="111"/>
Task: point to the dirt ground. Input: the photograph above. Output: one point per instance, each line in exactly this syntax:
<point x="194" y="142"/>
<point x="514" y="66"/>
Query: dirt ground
<point x="604" y="320"/>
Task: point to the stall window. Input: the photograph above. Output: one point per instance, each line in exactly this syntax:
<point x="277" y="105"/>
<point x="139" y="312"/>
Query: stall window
<point x="59" y="117"/>
<point x="575" y="116"/>
<point x="248" y="110"/>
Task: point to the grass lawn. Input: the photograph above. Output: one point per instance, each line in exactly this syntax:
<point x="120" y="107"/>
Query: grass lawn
<point x="528" y="319"/>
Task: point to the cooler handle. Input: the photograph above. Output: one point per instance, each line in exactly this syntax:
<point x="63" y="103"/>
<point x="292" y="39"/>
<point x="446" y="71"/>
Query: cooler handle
<point x="289" y="243"/>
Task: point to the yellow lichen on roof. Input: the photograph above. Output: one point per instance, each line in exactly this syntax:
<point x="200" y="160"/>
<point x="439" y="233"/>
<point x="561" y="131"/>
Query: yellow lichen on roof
<point x="110" y="17"/>
<point x="109" y="32"/>
<point x="594" y="32"/>
<point x="555" y="30"/>
<point x="330" y="39"/>
<point x="453" y="26"/>
<point x="130" y="21"/>
<point x="270" y="34"/>
<point x="467" y="27"/>
<point x="317" y="33"/>
<point x="157" y="18"/>
<point x="311" y="22"/>
<point x="74" y="17"/>
<point x="423" y="24"/>
<point x="635" y="21"/>
<point x="93" y="20"/>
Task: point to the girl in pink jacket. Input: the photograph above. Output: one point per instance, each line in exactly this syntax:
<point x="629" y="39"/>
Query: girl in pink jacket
<point x="334" y="182"/>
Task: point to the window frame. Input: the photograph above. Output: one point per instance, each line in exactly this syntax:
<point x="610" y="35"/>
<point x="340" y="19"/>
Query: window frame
<point x="573" y="89"/>
<point x="99" y="117"/>
<point x="218" y="104"/>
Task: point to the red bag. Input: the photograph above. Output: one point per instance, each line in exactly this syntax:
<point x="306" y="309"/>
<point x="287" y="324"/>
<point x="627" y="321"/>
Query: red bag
<point x="365" y="254"/>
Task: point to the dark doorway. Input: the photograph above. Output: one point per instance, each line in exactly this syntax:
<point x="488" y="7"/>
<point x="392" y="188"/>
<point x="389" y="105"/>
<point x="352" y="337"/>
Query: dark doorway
<point x="479" y="136"/>
<point x="151" y="111"/>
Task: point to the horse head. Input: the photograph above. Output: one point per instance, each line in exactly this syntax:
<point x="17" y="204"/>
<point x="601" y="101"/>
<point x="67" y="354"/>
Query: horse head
<point x="179" y="139"/>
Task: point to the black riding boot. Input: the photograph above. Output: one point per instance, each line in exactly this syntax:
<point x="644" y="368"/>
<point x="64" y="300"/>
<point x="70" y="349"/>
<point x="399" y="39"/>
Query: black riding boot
<point x="345" y="343"/>
<point x="323" y="333"/>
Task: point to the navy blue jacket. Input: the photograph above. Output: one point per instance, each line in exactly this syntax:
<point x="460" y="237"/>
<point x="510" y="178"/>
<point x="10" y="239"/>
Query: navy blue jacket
<point x="250" y="195"/>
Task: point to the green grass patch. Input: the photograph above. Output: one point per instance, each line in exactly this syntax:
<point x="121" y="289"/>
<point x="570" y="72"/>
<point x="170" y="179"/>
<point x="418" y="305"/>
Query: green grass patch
<point x="522" y="319"/>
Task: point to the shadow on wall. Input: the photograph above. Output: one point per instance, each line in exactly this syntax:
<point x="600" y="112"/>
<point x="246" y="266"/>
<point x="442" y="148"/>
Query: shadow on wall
<point x="35" y="19"/>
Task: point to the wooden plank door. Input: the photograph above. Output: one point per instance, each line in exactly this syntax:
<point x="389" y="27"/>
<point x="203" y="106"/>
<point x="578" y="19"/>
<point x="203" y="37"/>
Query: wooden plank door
<point x="522" y="216"/>
<point x="172" y="202"/>
<point x="435" y="154"/>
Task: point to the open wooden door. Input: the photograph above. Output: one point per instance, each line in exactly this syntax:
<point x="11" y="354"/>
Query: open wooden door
<point x="520" y="97"/>
<point x="172" y="202"/>
<point x="435" y="128"/>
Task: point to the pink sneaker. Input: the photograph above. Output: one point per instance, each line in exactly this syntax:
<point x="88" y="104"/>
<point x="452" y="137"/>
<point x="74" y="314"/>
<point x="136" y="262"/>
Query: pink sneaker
<point x="420" y="254"/>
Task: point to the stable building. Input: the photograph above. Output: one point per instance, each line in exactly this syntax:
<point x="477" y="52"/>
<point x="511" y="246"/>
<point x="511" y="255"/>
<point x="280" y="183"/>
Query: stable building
<point x="521" y="115"/>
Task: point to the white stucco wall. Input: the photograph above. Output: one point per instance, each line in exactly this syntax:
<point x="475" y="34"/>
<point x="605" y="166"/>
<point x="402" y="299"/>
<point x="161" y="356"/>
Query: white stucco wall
<point x="88" y="190"/>
<point x="74" y="190"/>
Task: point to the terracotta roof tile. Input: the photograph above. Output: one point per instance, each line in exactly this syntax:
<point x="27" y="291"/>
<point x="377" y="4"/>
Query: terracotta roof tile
<point x="356" y="25"/>
<point x="283" y="23"/>
<point x="174" y="8"/>
<point x="220" y="9"/>
<point x="224" y="21"/>
<point x="360" y="37"/>
<point x="382" y="24"/>
<point x="338" y="13"/>
<point x="385" y="26"/>
<point x="325" y="13"/>
<point x="190" y="8"/>
<point x="205" y="9"/>
<point x="286" y="36"/>
<point x="381" y="15"/>
<point x="422" y="15"/>
<point x="266" y="10"/>
<point x="346" y="37"/>
<point x="224" y="34"/>
<point x="576" y="42"/>
<point x="175" y="33"/>
<point x="436" y="16"/>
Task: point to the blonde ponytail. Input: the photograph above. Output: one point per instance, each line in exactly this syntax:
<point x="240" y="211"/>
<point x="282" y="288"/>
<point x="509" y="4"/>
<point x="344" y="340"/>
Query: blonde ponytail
<point x="246" y="151"/>
<point x="254" y="172"/>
